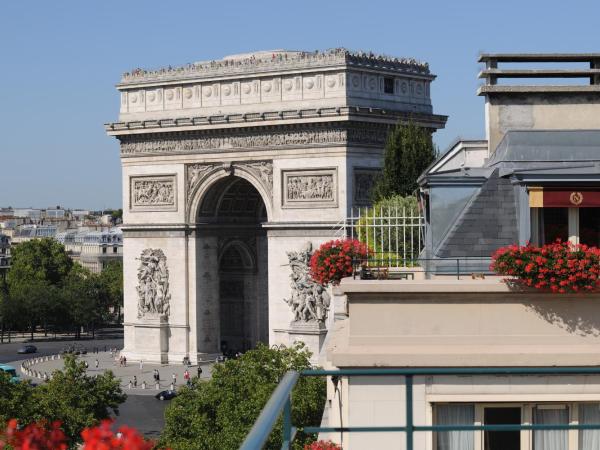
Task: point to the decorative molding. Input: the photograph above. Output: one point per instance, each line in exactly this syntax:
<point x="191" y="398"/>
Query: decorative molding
<point x="364" y="180"/>
<point x="153" y="284"/>
<point x="277" y="60"/>
<point x="194" y="175"/>
<point x="372" y="135"/>
<point x="315" y="188"/>
<point x="153" y="193"/>
<point x="309" y="301"/>
<point x="263" y="170"/>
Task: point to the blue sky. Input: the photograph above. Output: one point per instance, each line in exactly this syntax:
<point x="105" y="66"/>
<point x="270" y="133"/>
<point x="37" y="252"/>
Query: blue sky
<point x="61" y="59"/>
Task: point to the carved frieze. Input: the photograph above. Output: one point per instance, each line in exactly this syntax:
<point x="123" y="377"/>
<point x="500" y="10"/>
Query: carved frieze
<point x="132" y="146"/>
<point x="309" y="188"/>
<point x="153" y="284"/>
<point x="364" y="180"/>
<point x="309" y="301"/>
<point x="153" y="193"/>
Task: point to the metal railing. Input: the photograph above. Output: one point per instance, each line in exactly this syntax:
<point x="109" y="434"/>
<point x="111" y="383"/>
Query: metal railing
<point x="386" y="230"/>
<point x="281" y="402"/>
<point x="380" y="266"/>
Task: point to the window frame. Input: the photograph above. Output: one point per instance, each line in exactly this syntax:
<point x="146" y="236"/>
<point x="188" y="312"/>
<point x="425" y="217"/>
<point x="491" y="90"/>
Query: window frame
<point x="526" y="419"/>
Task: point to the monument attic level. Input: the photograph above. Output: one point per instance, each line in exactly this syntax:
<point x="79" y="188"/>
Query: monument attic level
<point x="233" y="171"/>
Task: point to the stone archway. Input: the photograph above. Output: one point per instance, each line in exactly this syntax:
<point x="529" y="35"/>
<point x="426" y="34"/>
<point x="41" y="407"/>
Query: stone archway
<point x="231" y="267"/>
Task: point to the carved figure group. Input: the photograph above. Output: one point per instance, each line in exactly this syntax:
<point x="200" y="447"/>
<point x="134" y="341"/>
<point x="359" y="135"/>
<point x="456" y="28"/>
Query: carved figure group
<point x="317" y="187"/>
<point x="153" y="192"/>
<point x="153" y="284"/>
<point x="309" y="300"/>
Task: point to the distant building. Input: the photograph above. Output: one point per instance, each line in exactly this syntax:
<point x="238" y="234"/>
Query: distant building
<point x="55" y="213"/>
<point x="29" y="213"/>
<point x="4" y="251"/>
<point x="27" y="232"/>
<point x="93" y="249"/>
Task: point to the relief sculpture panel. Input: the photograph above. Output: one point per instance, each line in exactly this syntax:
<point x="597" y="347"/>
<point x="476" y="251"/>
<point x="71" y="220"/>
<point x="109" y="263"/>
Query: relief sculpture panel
<point x="153" y="193"/>
<point x="310" y="188"/>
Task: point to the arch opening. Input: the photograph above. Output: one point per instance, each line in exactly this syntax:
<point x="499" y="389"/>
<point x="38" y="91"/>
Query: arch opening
<point x="232" y="274"/>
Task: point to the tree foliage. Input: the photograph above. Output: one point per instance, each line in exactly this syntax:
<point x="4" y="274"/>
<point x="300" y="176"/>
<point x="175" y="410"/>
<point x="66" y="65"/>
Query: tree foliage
<point x="45" y="287"/>
<point x="408" y="152"/>
<point x="71" y="397"/>
<point x="42" y="260"/>
<point x="218" y="414"/>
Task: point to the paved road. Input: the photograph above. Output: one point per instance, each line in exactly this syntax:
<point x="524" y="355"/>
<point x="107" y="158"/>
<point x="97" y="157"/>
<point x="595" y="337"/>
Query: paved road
<point x="146" y="414"/>
<point x="8" y="352"/>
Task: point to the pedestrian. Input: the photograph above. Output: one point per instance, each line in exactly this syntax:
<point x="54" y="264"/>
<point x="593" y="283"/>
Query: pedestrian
<point x="96" y="363"/>
<point x="186" y="377"/>
<point x="174" y="378"/>
<point x="141" y="365"/>
<point x="157" y="375"/>
<point x="134" y="381"/>
<point x="199" y="371"/>
<point x="120" y="361"/>
<point x="86" y="365"/>
<point x="125" y="361"/>
<point x="130" y="384"/>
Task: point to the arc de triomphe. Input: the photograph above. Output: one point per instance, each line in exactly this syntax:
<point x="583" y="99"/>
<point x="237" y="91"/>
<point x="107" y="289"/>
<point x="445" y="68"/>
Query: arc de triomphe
<point x="231" y="169"/>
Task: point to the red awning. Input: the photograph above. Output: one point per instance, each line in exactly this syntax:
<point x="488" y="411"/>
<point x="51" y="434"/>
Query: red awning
<point x="573" y="198"/>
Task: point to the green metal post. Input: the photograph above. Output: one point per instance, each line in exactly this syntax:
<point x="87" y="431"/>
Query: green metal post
<point x="409" y="412"/>
<point x="287" y="424"/>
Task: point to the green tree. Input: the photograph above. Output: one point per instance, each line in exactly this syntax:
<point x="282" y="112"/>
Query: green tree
<point x="76" y="399"/>
<point x="408" y="151"/>
<point x="86" y="298"/>
<point x="42" y="260"/>
<point x="70" y="396"/>
<point x="218" y="414"/>
<point x="111" y="278"/>
<point x="15" y="400"/>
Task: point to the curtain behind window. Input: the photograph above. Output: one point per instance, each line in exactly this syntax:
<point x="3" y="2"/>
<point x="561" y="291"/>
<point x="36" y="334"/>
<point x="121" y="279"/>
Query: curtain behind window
<point x="589" y="414"/>
<point x="455" y="415"/>
<point x="551" y="439"/>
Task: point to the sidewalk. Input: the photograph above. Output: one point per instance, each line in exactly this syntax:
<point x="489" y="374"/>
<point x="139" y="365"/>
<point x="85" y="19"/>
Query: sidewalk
<point x="126" y="374"/>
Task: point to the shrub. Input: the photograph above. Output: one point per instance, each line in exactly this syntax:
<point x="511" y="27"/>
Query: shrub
<point x="560" y="267"/>
<point x="391" y="228"/>
<point x="333" y="260"/>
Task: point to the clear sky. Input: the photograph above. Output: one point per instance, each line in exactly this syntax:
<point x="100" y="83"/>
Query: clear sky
<point x="60" y="60"/>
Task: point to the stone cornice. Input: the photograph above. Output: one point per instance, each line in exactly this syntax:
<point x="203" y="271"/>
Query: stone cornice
<point x="264" y="62"/>
<point x="271" y="118"/>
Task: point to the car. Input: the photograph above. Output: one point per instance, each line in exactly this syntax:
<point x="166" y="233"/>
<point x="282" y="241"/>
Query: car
<point x="166" y="395"/>
<point x="11" y="371"/>
<point x="27" y="349"/>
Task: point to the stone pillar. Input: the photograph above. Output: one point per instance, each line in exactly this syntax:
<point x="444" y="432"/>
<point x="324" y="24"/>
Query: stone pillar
<point x="207" y="298"/>
<point x="152" y="340"/>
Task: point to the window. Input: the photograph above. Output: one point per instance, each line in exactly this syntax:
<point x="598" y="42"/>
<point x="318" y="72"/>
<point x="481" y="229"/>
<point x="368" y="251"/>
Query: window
<point x="114" y="249"/>
<point x="517" y="413"/>
<point x="551" y="439"/>
<point x="388" y="85"/>
<point x="502" y="440"/>
<point x="103" y="249"/>
<point x="578" y="225"/>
